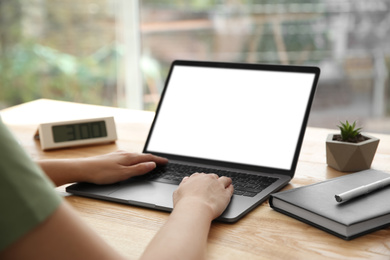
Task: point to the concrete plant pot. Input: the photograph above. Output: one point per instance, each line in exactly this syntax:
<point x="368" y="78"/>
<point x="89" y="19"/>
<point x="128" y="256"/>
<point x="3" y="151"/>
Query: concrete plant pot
<point x="350" y="157"/>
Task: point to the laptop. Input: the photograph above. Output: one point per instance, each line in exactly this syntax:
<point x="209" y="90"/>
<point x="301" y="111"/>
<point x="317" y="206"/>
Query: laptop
<point x="245" y="121"/>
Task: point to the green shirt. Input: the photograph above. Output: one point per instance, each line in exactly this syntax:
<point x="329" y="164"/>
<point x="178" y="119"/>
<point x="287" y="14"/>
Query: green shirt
<point x="27" y="196"/>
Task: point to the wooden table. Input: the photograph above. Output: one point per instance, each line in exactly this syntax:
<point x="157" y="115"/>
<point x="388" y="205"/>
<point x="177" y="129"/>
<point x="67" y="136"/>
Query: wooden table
<point x="262" y="234"/>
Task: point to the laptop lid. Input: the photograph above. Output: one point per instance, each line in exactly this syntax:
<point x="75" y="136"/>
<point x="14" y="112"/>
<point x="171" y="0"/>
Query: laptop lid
<point x="244" y="116"/>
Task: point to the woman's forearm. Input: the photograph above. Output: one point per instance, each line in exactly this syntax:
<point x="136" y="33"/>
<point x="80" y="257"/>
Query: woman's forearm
<point x="62" y="171"/>
<point x="184" y="235"/>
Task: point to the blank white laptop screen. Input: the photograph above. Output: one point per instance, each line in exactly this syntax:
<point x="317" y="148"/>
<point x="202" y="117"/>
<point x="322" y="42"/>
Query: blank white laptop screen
<point x="216" y="114"/>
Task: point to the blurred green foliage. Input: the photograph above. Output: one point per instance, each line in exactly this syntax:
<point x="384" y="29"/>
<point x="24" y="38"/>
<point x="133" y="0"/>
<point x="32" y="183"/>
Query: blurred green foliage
<point x="50" y="49"/>
<point x="30" y="71"/>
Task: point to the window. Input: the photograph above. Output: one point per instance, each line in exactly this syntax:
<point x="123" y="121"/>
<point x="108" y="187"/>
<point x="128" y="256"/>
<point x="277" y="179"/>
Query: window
<point x="118" y="52"/>
<point x="63" y="50"/>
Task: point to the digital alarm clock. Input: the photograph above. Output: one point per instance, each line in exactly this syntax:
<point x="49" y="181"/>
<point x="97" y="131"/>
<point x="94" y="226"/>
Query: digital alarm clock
<point x="76" y="133"/>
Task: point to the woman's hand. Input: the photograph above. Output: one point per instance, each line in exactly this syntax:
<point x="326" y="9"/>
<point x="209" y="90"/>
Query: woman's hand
<point x="205" y="190"/>
<point x="118" y="166"/>
<point x="102" y="169"/>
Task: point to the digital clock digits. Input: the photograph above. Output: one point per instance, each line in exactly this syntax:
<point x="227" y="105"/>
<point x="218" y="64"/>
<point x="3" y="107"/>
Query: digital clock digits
<point x="73" y="132"/>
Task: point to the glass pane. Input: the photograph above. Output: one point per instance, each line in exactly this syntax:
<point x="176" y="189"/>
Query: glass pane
<point x="63" y="50"/>
<point x="69" y="50"/>
<point x="348" y="40"/>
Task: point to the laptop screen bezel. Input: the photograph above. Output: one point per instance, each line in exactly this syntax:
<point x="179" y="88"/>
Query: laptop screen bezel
<point x="265" y="67"/>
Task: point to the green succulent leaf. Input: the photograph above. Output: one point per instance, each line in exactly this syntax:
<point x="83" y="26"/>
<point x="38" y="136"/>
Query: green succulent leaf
<point x="348" y="130"/>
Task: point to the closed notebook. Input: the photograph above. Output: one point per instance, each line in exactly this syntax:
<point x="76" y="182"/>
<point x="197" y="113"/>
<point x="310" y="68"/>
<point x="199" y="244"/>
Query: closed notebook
<point x="316" y="205"/>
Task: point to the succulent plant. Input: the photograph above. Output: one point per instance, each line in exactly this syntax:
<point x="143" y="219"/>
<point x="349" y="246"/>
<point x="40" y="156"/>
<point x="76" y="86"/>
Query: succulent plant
<point x="349" y="131"/>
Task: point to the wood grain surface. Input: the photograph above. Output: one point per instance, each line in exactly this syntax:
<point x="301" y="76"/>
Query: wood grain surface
<point x="262" y="234"/>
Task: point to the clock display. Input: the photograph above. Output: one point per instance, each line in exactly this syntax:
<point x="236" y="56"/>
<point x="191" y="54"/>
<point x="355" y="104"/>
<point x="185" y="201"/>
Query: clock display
<point x="73" y="132"/>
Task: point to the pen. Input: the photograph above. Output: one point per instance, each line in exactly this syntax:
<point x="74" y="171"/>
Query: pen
<point x="362" y="190"/>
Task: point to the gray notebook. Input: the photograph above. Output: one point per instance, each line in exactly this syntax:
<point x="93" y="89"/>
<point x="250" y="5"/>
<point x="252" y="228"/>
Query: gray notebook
<point x="246" y="121"/>
<point x="316" y="205"/>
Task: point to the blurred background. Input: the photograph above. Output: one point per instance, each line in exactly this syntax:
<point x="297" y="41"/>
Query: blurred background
<point x="118" y="52"/>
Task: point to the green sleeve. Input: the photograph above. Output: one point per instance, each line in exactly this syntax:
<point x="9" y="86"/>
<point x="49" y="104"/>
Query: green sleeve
<point x="27" y="196"/>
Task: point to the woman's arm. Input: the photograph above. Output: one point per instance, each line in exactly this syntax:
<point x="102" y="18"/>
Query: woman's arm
<point x="61" y="236"/>
<point x="103" y="169"/>
<point x="198" y="200"/>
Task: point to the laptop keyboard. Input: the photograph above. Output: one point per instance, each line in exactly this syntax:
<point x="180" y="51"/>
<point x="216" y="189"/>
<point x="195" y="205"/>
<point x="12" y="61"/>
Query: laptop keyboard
<point x="244" y="184"/>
